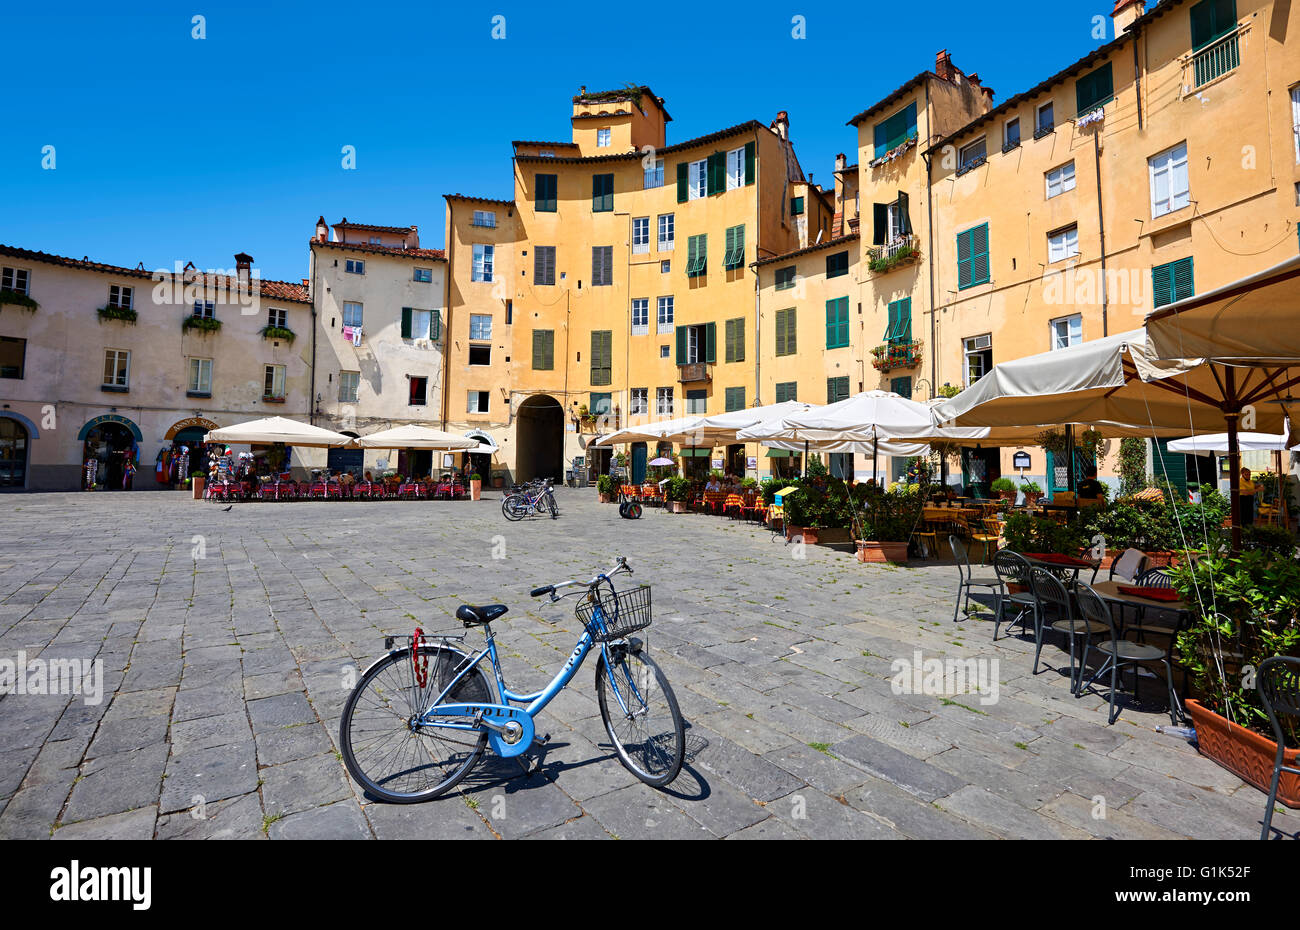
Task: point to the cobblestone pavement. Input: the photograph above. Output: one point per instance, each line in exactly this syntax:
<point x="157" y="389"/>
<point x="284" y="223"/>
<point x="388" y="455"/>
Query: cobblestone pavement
<point x="227" y="638"/>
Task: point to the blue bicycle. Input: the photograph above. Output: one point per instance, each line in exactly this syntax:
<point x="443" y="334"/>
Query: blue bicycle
<point x="420" y="718"/>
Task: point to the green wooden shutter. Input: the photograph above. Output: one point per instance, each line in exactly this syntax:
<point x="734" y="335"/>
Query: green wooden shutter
<point x="905" y="223"/>
<point x="681" y="345"/>
<point x="979" y="258"/>
<point x="903" y="315"/>
<point x="711" y="175"/>
<point x="1173" y="464"/>
<point x="901" y="386"/>
<point x="780" y="332"/>
<point x="736" y="340"/>
<point x="880" y="224"/>
<point x="791" y="331"/>
<point x="750" y="159"/>
<point x="1211" y="20"/>
<point x="1162" y="285"/>
<point x="963" y="260"/>
<point x="891" y="322"/>
<point x="1183" y="285"/>
<point x="406" y="322"/>
<point x="682" y="181"/>
<point x="735" y="398"/>
<point x="711" y="342"/>
<point x="1094" y="88"/>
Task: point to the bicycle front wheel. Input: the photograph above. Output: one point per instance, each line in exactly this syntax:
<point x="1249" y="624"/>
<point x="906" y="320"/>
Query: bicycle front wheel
<point x="388" y="753"/>
<point x="641" y="717"/>
<point x="514" y="507"/>
<point x="554" y="507"/>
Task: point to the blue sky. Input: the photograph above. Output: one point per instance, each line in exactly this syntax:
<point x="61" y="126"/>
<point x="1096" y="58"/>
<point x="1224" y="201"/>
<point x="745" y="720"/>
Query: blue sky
<point x="170" y="148"/>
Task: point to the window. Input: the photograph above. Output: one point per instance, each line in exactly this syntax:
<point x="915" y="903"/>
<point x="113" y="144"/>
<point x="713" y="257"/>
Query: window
<point x="899" y="328"/>
<point x="1169" y="187"/>
<point x="600" y="403"/>
<point x="13" y="356"/>
<point x="478" y="402"/>
<point x="735" y="340"/>
<point x="117" y="368"/>
<point x="665" y="266"/>
<point x="664" y="315"/>
<point x="602" y="356"/>
<point x="735" y="168"/>
<point x="667" y="231"/>
<point x="697" y="255"/>
<point x="837" y="264"/>
<point x="786" y="340"/>
<point x="355" y="266"/>
<point x="698" y="178"/>
<point x="482" y="270"/>
<point x="544" y="264"/>
<point x="785" y="278"/>
<point x="602" y="193"/>
<point x="787" y="390"/>
<point x="120" y="296"/>
<point x="1044" y="120"/>
<point x="638" y="402"/>
<point x="18" y="280"/>
<point x="205" y="309"/>
<point x="697" y="344"/>
<point x="901" y="386"/>
<point x="349" y="386"/>
<point x="510" y="312"/>
<point x="273" y="382"/>
<point x="735" y="398"/>
<point x="1172" y="281"/>
<point x="417" y="395"/>
<point x="353" y="313"/>
<point x="544" y="193"/>
<point x="979" y="356"/>
<point x="697" y="402"/>
<point x="1094" y="89"/>
<point x="654" y="173"/>
<point x="893" y="132"/>
<point x="837" y="323"/>
<point x="796" y="206"/>
<point x="640" y="316"/>
<point x="277" y="317"/>
<point x="376" y="240"/>
<point x="1060" y="180"/>
<point x="640" y="235"/>
<point x="1295" y="120"/>
<point x="664" y="402"/>
<point x="602" y="265"/>
<point x="418" y="324"/>
<point x="973" y="257"/>
<point x="480" y="326"/>
<point x="1067" y="331"/>
<point x="734" y="256"/>
<point x="543" y="350"/>
<point x="200" y="379"/>
<point x="1011" y="134"/>
<point x="891" y="221"/>
<point x="485" y="218"/>
<point x="837" y="389"/>
<point x="1063" y="244"/>
<point x="423" y="275"/>
<point x="663" y="351"/>
<point x="480" y="355"/>
<point x="971" y="155"/>
<point x="602" y="138"/>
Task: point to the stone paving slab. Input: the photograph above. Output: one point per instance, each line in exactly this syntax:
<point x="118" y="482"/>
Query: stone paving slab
<point x="225" y="678"/>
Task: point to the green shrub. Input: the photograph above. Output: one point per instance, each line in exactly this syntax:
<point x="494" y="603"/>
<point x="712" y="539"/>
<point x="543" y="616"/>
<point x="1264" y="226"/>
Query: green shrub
<point x="677" y="488"/>
<point x="606" y="485"/>
<point x="1272" y="539"/>
<point x="1002" y="484"/>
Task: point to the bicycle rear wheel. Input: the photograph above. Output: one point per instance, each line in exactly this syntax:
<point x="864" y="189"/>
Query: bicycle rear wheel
<point x="391" y="757"/>
<point x="554" y="507"/>
<point x="646" y="728"/>
<point x="514" y="507"/>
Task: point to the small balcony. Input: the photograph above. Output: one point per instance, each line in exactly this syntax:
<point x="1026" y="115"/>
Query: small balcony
<point x="1216" y="59"/>
<point x="694" y="371"/>
<point x="901" y="251"/>
<point x="894" y="355"/>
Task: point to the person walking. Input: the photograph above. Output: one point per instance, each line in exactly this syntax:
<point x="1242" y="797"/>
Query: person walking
<point x="1246" y="490"/>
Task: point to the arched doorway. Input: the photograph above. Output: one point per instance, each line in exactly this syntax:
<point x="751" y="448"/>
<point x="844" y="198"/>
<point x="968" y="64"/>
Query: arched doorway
<point x="539" y="439"/>
<point x="15" y="441"/>
<point x="186" y="454"/>
<point x="109" y="443"/>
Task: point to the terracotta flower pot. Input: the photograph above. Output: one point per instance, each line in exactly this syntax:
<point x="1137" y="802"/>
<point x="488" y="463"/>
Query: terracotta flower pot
<point x="677" y="506"/>
<point x="808" y="533"/>
<point x="1245" y="753"/>
<point x="872" y="551"/>
<point x="476" y="490"/>
<point x="197" y="485"/>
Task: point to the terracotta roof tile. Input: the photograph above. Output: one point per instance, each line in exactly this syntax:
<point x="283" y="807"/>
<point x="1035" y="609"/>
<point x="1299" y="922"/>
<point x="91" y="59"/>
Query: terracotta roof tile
<point x="400" y="230"/>
<point x="437" y="255"/>
<point x="829" y="243"/>
<point x="504" y="203"/>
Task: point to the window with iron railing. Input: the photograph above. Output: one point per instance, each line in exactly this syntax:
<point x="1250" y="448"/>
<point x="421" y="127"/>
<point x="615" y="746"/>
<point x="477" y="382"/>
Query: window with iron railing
<point x="1216" y="60"/>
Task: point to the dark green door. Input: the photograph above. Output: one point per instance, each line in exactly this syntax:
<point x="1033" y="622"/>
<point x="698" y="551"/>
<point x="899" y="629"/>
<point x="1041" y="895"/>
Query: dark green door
<point x="638" y="462"/>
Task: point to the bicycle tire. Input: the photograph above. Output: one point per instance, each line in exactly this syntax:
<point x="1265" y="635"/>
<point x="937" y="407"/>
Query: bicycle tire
<point x="554" y="507"/>
<point x="390" y="751"/>
<point x="661" y="753"/>
<point x="513" y="509"/>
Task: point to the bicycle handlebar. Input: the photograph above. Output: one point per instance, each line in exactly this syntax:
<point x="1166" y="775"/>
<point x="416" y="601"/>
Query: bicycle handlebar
<point x="550" y="589"/>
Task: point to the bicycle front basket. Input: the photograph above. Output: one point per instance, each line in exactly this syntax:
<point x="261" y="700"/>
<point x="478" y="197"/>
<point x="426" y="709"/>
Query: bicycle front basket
<point x="613" y="615"/>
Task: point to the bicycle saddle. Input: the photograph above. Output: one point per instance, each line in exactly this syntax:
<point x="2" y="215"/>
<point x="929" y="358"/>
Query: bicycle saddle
<point x="472" y="616"/>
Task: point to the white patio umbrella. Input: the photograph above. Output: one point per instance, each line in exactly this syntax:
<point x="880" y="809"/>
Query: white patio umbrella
<point x="700" y="430"/>
<point x="1217" y="443"/>
<point x="413" y="436"/>
<point x="278" y="429"/>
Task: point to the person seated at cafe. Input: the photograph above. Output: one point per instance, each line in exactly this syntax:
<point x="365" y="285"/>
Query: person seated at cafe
<point x="1246" y="489"/>
<point x="1090" y="489"/>
<point x="713" y="484"/>
<point x="369" y="477"/>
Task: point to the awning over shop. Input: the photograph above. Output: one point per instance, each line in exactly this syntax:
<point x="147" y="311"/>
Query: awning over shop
<point x="696" y="453"/>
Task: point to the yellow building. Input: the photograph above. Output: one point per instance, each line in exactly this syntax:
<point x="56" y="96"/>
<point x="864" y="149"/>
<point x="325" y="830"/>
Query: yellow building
<point x="626" y="268"/>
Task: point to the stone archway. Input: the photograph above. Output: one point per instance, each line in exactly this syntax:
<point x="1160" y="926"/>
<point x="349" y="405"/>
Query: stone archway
<point x="539" y="439"/>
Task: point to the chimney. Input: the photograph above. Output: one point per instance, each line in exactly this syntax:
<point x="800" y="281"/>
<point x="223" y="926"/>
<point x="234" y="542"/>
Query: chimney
<point x="243" y="262"/>
<point x="840" y="162"/>
<point x="413" y="240"/>
<point x="781" y="125"/>
<point x="322" y="230"/>
<point x="1125" y="12"/>
<point x="943" y="65"/>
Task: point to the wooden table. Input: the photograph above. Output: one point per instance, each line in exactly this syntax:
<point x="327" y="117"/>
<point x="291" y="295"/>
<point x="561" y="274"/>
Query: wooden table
<point x="1110" y="591"/>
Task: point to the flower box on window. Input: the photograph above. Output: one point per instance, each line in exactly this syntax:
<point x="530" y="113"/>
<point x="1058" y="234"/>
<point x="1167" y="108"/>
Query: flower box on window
<point x="203" y="324"/>
<point x="17" y="299"/>
<point x="278" y="332"/>
<point x="893" y="355"/>
<point x="114" y="312"/>
<point x="272" y="399"/>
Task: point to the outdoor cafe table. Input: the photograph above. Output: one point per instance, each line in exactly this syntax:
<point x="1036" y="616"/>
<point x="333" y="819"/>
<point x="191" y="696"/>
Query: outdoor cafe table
<point x="1055" y="562"/>
<point x="1110" y="591"/>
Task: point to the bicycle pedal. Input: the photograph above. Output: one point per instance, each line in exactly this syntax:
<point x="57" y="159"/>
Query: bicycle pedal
<point x="541" y="740"/>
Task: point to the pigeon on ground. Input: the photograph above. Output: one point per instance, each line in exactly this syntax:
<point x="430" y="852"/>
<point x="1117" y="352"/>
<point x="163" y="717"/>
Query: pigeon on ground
<point x="231" y="506"/>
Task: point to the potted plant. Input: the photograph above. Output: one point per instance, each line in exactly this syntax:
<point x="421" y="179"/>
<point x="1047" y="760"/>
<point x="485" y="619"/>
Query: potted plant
<point x="606" y="489"/>
<point x="1245" y="609"/>
<point x="1004" y="489"/>
<point x="475" y="486"/>
<point x="197" y="480"/>
<point x="675" y="491"/>
<point x="1033" y="492"/>
<point x="888" y="520"/>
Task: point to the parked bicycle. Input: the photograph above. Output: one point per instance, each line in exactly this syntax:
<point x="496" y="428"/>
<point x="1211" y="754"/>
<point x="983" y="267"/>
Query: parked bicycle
<point x="536" y="497"/>
<point x="420" y="718"/>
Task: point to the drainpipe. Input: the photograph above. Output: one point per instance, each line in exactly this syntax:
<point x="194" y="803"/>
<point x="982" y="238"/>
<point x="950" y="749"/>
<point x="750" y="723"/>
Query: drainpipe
<point x="311" y="398"/>
<point x="446" y="289"/>
<point x="627" y="342"/>
<point x="1137" y="80"/>
<point x="758" y="327"/>
<point x="1101" y="228"/>
<point x="929" y="235"/>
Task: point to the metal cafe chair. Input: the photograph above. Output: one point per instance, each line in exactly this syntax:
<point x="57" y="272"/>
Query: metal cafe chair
<point x="1279" y="691"/>
<point x="1013" y="569"/>
<point x="968" y="580"/>
<point x="1054" y="601"/>
<point x="1118" y="653"/>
